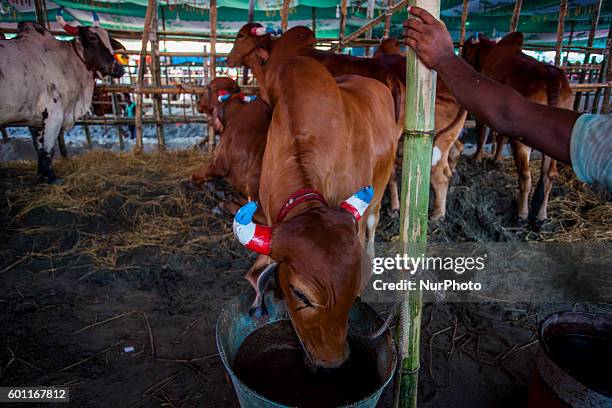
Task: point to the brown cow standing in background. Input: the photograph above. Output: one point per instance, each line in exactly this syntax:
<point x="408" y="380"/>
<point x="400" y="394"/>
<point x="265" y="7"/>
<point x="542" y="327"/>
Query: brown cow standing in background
<point x="539" y="82"/>
<point x="328" y="138"/>
<point x="243" y="128"/>
<point x="254" y="51"/>
<point x="449" y="121"/>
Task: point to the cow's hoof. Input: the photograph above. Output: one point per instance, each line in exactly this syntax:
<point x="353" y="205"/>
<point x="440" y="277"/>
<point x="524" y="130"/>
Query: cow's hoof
<point x="478" y="157"/>
<point x="436" y="216"/>
<point x="395" y="213"/>
<point x="538" y="224"/>
<point x="259" y="311"/>
<point x="521" y="222"/>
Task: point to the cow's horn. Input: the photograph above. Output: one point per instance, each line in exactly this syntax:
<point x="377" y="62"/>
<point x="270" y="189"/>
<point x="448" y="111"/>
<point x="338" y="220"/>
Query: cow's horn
<point x="255" y="237"/>
<point x="96" y="19"/>
<point x="59" y="16"/>
<point x="261" y="31"/>
<point x="258" y="31"/>
<point x="358" y="202"/>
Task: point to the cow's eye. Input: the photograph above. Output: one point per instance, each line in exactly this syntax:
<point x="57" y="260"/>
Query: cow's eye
<point x="302" y="297"/>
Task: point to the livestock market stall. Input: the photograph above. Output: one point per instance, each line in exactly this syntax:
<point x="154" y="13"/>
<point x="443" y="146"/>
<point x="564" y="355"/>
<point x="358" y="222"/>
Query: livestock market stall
<point x="111" y="283"/>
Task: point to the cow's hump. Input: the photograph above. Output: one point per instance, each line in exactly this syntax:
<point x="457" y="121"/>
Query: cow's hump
<point x="27" y="28"/>
<point x="514" y="38"/>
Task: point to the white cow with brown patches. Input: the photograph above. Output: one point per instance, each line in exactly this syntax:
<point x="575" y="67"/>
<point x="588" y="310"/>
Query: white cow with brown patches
<point x="48" y="84"/>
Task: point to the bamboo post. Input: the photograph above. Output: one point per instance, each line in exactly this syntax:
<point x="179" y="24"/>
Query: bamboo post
<point x="515" y="15"/>
<point x="166" y="59"/>
<point x="603" y="74"/>
<point x="285" y="15"/>
<point x="251" y="16"/>
<point x="87" y="136"/>
<point x="314" y="20"/>
<point x="369" y="15"/>
<point x="606" y="107"/>
<point x="40" y="12"/>
<point x="213" y="65"/>
<point x="152" y="4"/>
<point x="464" y="16"/>
<point x="416" y="168"/>
<point x="342" y="27"/>
<point x="587" y="54"/>
<point x="388" y="15"/>
<point x="569" y="42"/>
<point x="250" y="19"/>
<point x="206" y="77"/>
<point x="156" y="79"/>
<point x="62" y="144"/>
<point x="560" y="28"/>
<point x="355" y="34"/>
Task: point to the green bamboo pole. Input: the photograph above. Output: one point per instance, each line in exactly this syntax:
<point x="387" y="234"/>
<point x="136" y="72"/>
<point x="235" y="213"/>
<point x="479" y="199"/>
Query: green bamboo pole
<point x="416" y="168"/>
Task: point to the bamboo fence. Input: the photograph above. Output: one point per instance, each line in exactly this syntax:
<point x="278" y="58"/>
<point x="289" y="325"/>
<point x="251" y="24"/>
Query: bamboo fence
<point x="593" y="87"/>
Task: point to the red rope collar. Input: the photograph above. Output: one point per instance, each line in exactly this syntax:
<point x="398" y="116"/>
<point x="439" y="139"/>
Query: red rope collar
<point x="300" y="196"/>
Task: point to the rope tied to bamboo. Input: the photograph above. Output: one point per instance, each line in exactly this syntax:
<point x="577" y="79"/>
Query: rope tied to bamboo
<point x="415" y="133"/>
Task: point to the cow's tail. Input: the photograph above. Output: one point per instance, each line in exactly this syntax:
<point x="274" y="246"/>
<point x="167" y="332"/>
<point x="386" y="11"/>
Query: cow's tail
<point x="454" y="122"/>
<point x="397" y="91"/>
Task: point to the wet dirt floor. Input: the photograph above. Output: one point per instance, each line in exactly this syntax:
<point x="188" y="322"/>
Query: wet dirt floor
<point x="111" y="284"/>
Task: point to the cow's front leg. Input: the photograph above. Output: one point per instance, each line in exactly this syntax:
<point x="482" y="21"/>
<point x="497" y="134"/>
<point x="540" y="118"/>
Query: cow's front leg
<point x="40" y="152"/>
<point x="500" y="141"/>
<point x="373" y="216"/>
<point x="521" y="159"/>
<point x="204" y="174"/>
<point x="51" y="129"/>
<point x="393" y="194"/>
<point x="541" y="194"/>
<point x="481" y="134"/>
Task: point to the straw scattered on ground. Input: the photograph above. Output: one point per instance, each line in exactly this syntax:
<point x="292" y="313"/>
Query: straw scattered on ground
<point x="110" y="204"/>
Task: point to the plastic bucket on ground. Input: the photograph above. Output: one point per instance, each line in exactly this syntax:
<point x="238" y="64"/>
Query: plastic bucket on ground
<point x="573" y="362"/>
<point x="235" y="324"/>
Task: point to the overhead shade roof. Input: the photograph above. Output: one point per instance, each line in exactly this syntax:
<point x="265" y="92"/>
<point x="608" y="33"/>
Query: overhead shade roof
<point x="492" y="17"/>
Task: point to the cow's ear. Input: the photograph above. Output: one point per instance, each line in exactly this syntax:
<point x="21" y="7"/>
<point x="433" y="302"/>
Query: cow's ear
<point x="117" y="46"/>
<point x="514" y="38"/>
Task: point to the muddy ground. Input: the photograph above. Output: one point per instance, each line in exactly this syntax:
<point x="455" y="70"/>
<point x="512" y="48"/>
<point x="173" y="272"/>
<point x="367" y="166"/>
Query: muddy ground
<point x="127" y="256"/>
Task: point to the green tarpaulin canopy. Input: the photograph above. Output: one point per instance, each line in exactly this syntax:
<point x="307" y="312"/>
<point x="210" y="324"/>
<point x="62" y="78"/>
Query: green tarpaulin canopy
<point x="492" y="17"/>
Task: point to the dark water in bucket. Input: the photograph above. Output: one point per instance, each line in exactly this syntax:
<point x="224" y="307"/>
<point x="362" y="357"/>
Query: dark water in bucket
<point x="271" y="362"/>
<point x="586" y="358"/>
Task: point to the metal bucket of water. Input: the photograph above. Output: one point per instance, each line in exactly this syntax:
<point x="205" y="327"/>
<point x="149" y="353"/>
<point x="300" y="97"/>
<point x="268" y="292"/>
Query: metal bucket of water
<point x="235" y="324"/>
<point x="573" y="362"/>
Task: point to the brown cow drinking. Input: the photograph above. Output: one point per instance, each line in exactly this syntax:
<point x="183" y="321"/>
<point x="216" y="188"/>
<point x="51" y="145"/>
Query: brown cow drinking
<point x="542" y="83"/>
<point x="328" y="138"/>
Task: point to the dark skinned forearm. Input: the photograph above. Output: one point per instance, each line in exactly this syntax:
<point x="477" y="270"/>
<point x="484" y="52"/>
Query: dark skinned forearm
<point x="544" y="128"/>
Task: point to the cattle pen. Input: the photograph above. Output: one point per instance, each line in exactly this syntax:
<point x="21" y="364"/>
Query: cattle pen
<point x="112" y="279"/>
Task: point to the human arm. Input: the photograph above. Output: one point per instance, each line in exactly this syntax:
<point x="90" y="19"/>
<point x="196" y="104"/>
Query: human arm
<point x="545" y="128"/>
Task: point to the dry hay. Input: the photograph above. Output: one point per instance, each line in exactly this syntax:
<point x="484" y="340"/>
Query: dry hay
<point x="110" y="205"/>
<point x="582" y="212"/>
<point x="117" y="207"/>
<point x="577" y="211"/>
